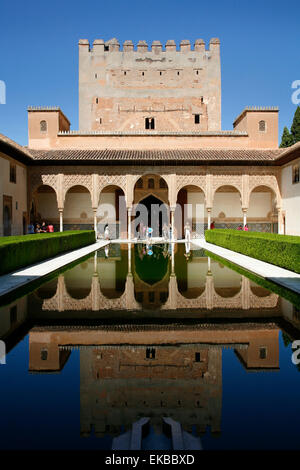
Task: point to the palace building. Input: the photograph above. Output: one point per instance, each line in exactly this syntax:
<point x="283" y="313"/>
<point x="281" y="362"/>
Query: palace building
<point x="150" y="133"/>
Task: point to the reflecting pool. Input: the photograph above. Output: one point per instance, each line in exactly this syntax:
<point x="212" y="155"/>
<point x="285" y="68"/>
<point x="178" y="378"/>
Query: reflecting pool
<point x="161" y="333"/>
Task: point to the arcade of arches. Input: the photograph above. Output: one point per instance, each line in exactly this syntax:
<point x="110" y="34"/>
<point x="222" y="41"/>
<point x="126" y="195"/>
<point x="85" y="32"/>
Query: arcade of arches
<point x="228" y="198"/>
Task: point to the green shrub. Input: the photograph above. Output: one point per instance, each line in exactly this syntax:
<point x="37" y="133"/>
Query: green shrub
<point x="281" y="250"/>
<point x="19" y="251"/>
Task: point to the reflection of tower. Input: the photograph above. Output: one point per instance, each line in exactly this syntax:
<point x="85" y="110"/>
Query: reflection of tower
<point x="119" y="385"/>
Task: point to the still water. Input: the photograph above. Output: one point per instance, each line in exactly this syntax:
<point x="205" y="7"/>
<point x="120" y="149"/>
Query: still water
<point x="150" y="332"/>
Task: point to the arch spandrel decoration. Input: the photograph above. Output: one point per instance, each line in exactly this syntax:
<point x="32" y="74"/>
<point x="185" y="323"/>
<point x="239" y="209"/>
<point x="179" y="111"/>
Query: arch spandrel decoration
<point x="269" y="181"/>
<point x="70" y="180"/>
<point x="227" y="180"/>
<point x="110" y="180"/>
<point x="191" y="180"/>
<point x="39" y="179"/>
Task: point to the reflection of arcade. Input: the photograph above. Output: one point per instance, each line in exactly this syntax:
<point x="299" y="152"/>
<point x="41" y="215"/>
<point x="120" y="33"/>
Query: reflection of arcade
<point x="151" y="274"/>
<point x="129" y="371"/>
<point x="132" y="280"/>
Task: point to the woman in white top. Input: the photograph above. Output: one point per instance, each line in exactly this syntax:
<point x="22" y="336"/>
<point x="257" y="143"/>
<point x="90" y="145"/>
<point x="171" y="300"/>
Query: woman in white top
<point x="187" y="231"/>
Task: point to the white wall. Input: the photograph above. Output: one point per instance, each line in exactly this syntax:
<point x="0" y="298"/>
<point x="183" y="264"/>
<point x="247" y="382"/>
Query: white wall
<point x="18" y="192"/>
<point x="76" y="204"/>
<point x="106" y="199"/>
<point x="46" y="205"/>
<point x="195" y="198"/>
<point x="290" y="200"/>
<point x="229" y="203"/>
<point x="260" y="205"/>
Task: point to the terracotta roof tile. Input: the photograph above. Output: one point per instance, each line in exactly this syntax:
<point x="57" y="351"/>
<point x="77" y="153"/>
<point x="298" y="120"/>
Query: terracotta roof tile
<point x="201" y="155"/>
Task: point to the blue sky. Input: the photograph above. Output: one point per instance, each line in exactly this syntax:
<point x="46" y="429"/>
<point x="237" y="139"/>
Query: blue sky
<point x="260" y="49"/>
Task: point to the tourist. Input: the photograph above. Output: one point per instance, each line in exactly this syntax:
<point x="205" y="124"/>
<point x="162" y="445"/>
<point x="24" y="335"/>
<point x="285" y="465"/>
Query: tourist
<point x="165" y="231"/>
<point x="212" y="225"/>
<point x="149" y="232"/>
<point x="30" y="228"/>
<point x="50" y="228"/>
<point x="37" y="228"/>
<point x="240" y="227"/>
<point x="187" y="231"/>
<point x="246" y="228"/>
<point x="43" y="228"/>
<point x="106" y="232"/>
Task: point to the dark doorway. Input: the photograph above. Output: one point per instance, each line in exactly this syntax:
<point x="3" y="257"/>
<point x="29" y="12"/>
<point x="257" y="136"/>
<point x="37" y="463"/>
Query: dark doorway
<point x="156" y="211"/>
<point x="7" y="215"/>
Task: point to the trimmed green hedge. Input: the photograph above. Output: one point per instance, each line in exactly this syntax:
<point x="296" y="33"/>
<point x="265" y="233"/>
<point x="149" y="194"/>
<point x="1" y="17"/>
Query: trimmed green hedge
<point x="281" y="250"/>
<point x="17" y="252"/>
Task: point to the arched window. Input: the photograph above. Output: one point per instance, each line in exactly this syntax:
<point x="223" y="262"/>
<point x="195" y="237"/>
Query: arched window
<point x="150" y="183"/>
<point x="43" y="126"/>
<point x="262" y="126"/>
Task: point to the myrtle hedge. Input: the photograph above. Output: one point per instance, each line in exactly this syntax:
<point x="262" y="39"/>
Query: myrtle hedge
<point x="19" y="251"/>
<point x="281" y="250"/>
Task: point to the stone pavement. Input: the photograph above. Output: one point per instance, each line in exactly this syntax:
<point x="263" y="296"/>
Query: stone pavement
<point x="14" y="280"/>
<point x="281" y="276"/>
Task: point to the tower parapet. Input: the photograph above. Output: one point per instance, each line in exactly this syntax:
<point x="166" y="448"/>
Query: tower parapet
<point x="175" y="86"/>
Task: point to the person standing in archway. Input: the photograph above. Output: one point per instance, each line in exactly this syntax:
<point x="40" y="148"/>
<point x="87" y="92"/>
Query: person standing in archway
<point x="106" y="232"/>
<point x="187" y="231"/>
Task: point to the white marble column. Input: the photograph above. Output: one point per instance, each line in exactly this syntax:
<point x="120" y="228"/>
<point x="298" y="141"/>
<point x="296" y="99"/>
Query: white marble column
<point x="129" y="258"/>
<point x="279" y="218"/>
<point x="172" y="224"/>
<point x="129" y="211"/>
<point x="61" y="224"/>
<point x="95" y="222"/>
<point x="244" y="217"/>
<point x="208" y="217"/>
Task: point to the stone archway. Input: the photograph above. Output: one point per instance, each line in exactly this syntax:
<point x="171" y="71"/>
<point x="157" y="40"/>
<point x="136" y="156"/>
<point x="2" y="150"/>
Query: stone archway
<point x="190" y="208"/>
<point x="44" y="206"/>
<point x="111" y="211"/>
<point x="151" y="204"/>
<point x="78" y="212"/>
<point x="227" y="207"/>
<point x="262" y="213"/>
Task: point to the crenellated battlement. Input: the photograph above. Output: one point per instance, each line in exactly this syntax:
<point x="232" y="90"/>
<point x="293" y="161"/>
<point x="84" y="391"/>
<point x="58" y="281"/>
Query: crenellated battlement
<point x="142" y="86"/>
<point x="113" y="45"/>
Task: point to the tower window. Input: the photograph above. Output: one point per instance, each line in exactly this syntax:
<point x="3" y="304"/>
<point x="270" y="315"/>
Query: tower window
<point x="149" y="123"/>
<point x="12" y="173"/>
<point x="296" y="173"/>
<point x="96" y="76"/>
<point x="197" y="118"/>
<point x="44" y="354"/>
<point x="43" y="126"/>
<point x="97" y="100"/>
<point x="124" y="73"/>
<point x="178" y="73"/>
<point x="150" y="353"/>
<point x="262" y="126"/>
<point x="262" y="353"/>
<point x="143" y="73"/>
<point x="197" y="357"/>
<point x="160" y="73"/>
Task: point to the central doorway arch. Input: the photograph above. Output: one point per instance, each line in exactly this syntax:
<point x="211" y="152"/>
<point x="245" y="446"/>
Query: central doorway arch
<point x="154" y="217"/>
